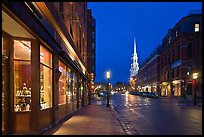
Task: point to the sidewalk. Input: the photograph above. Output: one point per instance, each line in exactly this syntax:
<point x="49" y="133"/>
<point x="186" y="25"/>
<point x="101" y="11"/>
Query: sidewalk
<point x="184" y="101"/>
<point x="90" y="120"/>
<point x="189" y="101"/>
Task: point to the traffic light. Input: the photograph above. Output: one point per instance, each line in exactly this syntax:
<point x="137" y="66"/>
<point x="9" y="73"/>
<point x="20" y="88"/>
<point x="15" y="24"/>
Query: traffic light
<point x="92" y="85"/>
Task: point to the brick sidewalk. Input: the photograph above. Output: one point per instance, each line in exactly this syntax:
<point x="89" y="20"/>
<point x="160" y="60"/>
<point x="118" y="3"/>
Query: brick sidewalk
<point x="89" y="120"/>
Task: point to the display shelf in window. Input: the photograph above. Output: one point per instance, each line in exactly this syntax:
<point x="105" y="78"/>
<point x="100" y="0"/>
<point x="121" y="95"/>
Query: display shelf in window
<point x="43" y="104"/>
<point x="23" y="99"/>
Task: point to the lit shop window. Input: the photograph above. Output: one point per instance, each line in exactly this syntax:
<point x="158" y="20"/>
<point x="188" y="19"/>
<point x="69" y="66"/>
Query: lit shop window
<point x="45" y="78"/>
<point x="74" y="87"/>
<point x="69" y="86"/>
<point x="80" y="89"/>
<point x="2" y="43"/>
<point x="22" y="75"/>
<point x="62" y="83"/>
<point x="196" y="27"/>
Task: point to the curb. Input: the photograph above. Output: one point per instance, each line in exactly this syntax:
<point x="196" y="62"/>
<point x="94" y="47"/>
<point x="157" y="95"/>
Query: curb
<point x="128" y="128"/>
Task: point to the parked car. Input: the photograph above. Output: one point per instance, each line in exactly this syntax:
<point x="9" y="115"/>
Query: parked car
<point x="123" y="92"/>
<point x="131" y="92"/>
<point x="152" y="95"/>
<point x="145" y="94"/>
<point x="134" y="92"/>
<point x="148" y="94"/>
<point x="102" y="94"/>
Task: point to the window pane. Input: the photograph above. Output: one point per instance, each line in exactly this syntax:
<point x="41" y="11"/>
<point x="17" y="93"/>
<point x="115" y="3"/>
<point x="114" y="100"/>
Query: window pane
<point x="45" y="57"/>
<point x="3" y="46"/>
<point x="62" y="83"/>
<point x="22" y="75"/>
<point x="45" y="87"/>
<point x="93" y="45"/>
<point x="22" y="86"/>
<point x="80" y="88"/>
<point x="196" y="27"/>
<point x="74" y="87"/>
<point x="69" y="83"/>
<point x="22" y="50"/>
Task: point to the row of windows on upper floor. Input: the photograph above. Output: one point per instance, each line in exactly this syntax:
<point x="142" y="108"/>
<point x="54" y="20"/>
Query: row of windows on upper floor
<point x="50" y="28"/>
<point x="175" y="33"/>
<point x="174" y="73"/>
<point x="165" y="60"/>
<point x="168" y="59"/>
<point x="74" y="8"/>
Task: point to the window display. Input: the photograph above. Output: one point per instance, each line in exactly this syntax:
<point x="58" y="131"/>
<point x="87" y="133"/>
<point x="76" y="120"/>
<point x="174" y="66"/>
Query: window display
<point x="45" y="78"/>
<point x="74" y="87"/>
<point x="80" y="89"/>
<point x="69" y="86"/>
<point x="4" y="79"/>
<point x="22" y="75"/>
<point x="23" y="98"/>
<point x="62" y="83"/>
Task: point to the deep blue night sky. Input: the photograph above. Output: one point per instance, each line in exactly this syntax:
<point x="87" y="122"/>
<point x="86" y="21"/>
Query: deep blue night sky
<point x="117" y="23"/>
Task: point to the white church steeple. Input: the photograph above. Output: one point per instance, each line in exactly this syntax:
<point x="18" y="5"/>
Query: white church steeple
<point x="134" y="66"/>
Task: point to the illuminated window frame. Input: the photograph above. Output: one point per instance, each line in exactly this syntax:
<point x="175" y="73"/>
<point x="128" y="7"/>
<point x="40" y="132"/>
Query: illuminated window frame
<point x="62" y="80"/>
<point x="197" y="27"/>
<point x="45" y="91"/>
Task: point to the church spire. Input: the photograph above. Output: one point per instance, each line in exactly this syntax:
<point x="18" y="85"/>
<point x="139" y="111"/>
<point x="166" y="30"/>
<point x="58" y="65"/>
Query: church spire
<point x="134" y="66"/>
<point x="134" y="46"/>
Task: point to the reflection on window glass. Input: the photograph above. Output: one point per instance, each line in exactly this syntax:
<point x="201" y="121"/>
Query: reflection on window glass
<point x="22" y="50"/>
<point x="69" y="86"/>
<point x="45" y="78"/>
<point x="22" y="75"/>
<point x="45" y="57"/>
<point x="62" y="83"/>
<point x="80" y="89"/>
<point x="2" y="44"/>
<point x="74" y="87"/>
<point x="3" y="86"/>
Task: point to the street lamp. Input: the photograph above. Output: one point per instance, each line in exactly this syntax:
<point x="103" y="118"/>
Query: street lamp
<point x="195" y="76"/>
<point x="108" y="94"/>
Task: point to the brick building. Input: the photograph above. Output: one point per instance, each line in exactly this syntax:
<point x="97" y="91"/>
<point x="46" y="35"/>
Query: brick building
<point x="148" y="77"/>
<point x="181" y="56"/>
<point x="121" y="86"/>
<point x="169" y="69"/>
<point x="44" y="64"/>
<point x="91" y="50"/>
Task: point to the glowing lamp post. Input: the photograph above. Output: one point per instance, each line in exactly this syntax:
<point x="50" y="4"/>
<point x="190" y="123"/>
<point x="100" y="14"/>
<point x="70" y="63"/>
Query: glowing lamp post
<point x="108" y="94"/>
<point x="195" y="82"/>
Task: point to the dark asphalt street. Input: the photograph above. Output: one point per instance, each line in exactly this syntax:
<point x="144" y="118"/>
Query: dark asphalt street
<point x="156" y="116"/>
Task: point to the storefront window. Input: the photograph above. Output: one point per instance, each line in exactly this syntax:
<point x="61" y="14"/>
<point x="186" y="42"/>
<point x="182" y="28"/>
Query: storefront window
<point x="45" y="78"/>
<point x="3" y="46"/>
<point x="62" y="83"/>
<point x="74" y="87"/>
<point x="3" y="87"/>
<point x="5" y="76"/>
<point x="22" y="75"/>
<point x="80" y="89"/>
<point x="69" y="83"/>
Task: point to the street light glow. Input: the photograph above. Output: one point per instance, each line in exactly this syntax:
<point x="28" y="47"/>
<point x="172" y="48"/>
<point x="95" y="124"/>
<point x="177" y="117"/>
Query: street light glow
<point x="108" y="90"/>
<point x="195" y="75"/>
